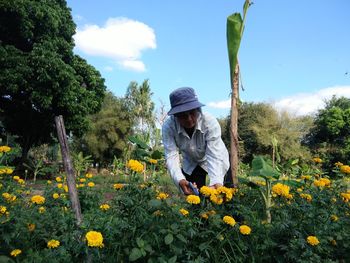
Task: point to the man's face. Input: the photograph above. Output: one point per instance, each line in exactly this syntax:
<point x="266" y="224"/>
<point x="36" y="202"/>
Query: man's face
<point x="187" y="119"/>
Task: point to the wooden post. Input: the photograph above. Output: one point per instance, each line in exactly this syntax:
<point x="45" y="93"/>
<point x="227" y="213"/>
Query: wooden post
<point x="68" y="166"/>
<point x="234" y="126"/>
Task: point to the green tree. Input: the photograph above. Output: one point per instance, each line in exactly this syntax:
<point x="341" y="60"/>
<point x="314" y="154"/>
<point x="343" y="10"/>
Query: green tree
<point x="40" y="77"/>
<point x="141" y="107"/>
<point x="330" y="136"/>
<point x="262" y="130"/>
<point x="109" y="131"/>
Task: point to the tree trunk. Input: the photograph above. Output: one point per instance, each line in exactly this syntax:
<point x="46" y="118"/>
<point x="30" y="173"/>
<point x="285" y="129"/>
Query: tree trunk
<point x="234" y="126"/>
<point x="68" y="166"/>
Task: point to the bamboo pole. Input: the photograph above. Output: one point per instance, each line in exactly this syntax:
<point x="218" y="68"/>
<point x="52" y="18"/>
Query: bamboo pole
<point x="68" y="166"/>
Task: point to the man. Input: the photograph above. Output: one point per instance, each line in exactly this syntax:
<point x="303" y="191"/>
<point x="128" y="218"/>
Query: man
<point x="197" y="137"/>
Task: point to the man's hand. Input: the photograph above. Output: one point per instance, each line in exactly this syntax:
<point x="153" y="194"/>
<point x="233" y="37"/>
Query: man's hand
<point x="184" y="184"/>
<point x="215" y="186"/>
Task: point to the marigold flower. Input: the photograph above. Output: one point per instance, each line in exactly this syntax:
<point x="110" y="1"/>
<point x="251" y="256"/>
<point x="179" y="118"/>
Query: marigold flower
<point x="9" y="197"/>
<point x="216" y="199"/>
<point x="184" y="212"/>
<point x="53" y="243"/>
<point x="338" y="164"/>
<point x="153" y="161"/>
<point x="31" y="227"/>
<point x="55" y="195"/>
<point x="317" y="160"/>
<point x="105" y="207"/>
<point x="91" y="184"/>
<point x="345" y="169"/>
<point x="334" y="218"/>
<point x="41" y="209"/>
<point x="38" y="199"/>
<point x="16" y="178"/>
<point x="312" y="240"/>
<point x="94" y="239"/>
<point x="204" y="215"/>
<point x="15" y="252"/>
<point x="135" y="165"/>
<point x="229" y="220"/>
<point x="305" y="177"/>
<point x="206" y="190"/>
<point x="345" y="196"/>
<point x="162" y="196"/>
<point x="88" y="175"/>
<point x="3" y="209"/>
<point x="82" y="180"/>
<point x="245" y="230"/>
<point x="48" y="182"/>
<point x="193" y="199"/>
<point x="59" y="186"/>
<point x="20" y="181"/>
<point x="118" y="186"/>
<point x="226" y="193"/>
<point x="281" y="189"/>
<point x="58" y="179"/>
<point x="5" y="149"/>
<point x="308" y="197"/>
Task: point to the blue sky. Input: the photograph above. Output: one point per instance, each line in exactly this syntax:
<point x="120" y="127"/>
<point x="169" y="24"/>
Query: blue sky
<point x="294" y="53"/>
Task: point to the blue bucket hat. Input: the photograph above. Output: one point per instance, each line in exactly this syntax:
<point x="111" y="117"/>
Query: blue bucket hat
<point x="183" y="99"/>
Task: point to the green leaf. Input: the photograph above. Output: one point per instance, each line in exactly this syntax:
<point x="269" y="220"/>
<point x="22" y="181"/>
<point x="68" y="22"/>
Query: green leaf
<point x="182" y="238"/>
<point x="263" y="169"/>
<point x="169" y="238"/>
<point x="173" y="259"/>
<point x="139" y="143"/>
<point x="157" y="155"/>
<point x="155" y="203"/>
<point x="140" y="242"/>
<point x="135" y="254"/>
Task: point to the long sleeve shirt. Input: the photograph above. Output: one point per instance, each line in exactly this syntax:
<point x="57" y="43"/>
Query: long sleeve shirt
<point x="204" y="148"/>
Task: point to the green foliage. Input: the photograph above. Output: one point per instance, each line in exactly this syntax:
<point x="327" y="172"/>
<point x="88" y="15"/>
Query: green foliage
<point x="330" y="136"/>
<point x="142" y="151"/>
<point x="81" y="163"/>
<point x="107" y="135"/>
<point x="40" y="76"/>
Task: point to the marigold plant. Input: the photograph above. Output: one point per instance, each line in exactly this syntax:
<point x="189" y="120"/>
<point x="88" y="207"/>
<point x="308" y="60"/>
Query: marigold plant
<point x="94" y="239"/>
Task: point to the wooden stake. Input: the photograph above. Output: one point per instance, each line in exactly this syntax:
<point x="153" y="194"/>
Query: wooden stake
<point x="68" y="166"/>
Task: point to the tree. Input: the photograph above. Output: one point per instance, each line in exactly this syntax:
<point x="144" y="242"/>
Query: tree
<point x="141" y="107"/>
<point x="261" y="127"/>
<point x="40" y="77"/>
<point x="109" y="131"/>
<point x="330" y="136"/>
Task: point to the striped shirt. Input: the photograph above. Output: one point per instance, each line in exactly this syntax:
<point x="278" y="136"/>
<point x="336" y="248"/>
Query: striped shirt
<point x="205" y="148"/>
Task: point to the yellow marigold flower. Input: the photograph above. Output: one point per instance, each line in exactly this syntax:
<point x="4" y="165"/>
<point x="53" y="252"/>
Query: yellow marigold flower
<point x="216" y="199"/>
<point x="31" y="227"/>
<point x="184" y="212"/>
<point x="312" y="240"/>
<point x="193" y="199"/>
<point x="226" y="192"/>
<point x="229" y="220"/>
<point x="245" y="230"/>
<point x="281" y="189"/>
<point x="8" y="170"/>
<point x="334" y="218"/>
<point x="38" y="199"/>
<point x="118" y="186"/>
<point x="206" y="190"/>
<point x="55" y="195"/>
<point x="317" y="160"/>
<point x="81" y="185"/>
<point x="345" y="196"/>
<point x="204" y="215"/>
<point x="104" y="207"/>
<point x="15" y="252"/>
<point x="162" y="196"/>
<point x="299" y="190"/>
<point x="16" y="178"/>
<point x="345" y="169"/>
<point x="91" y="184"/>
<point x="308" y="197"/>
<point x="319" y="183"/>
<point x="41" y="209"/>
<point x="48" y="182"/>
<point x="58" y="179"/>
<point x="5" y="149"/>
<point x="20" y="181"/>
<point x="9" y="197"/>
<point x="88" y="175"/>
<point x="338" y="164"/>
<point x="59" y="186"/>
<point x="65" y="188"/>
<point x="3" y="209"/>
<point x="53" y="243"/>
<point x="153" y="161"/>
<point x="94" y="239"/>
<point x="82" y="180"/>
<point x="326" y="181"/>
<point x="305" y="177"/>
<point x="135" y="166"/>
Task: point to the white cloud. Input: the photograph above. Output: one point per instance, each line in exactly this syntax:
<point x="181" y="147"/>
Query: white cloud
<point x="299" y="104"/>
<point x="309" y="103"/>
<point x="121" y="39"/>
